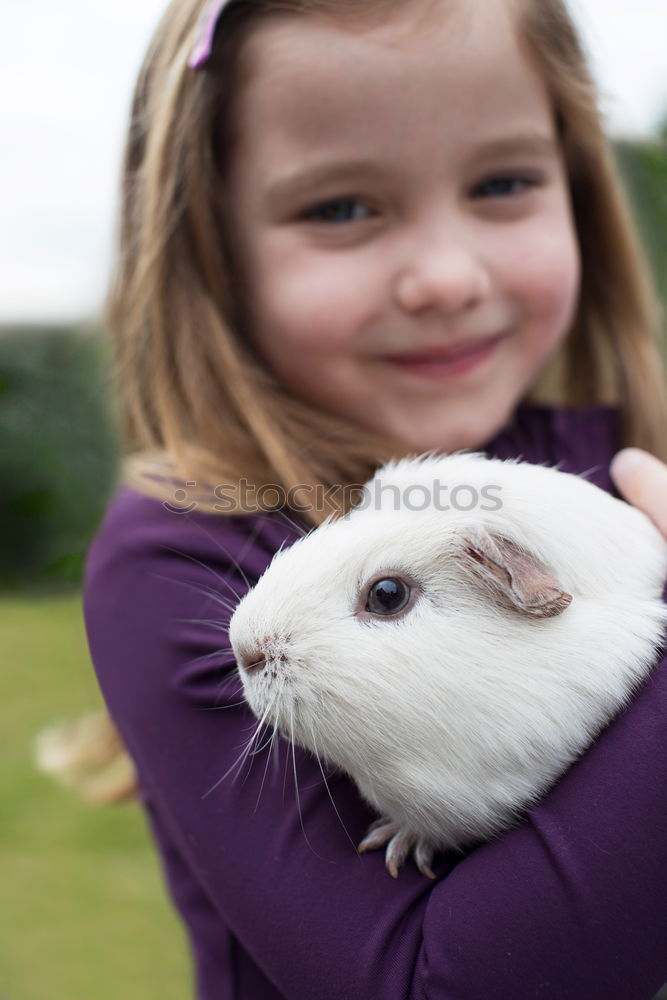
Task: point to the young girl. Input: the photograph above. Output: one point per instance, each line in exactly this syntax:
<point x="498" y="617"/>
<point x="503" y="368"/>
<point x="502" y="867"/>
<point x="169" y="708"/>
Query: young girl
<point x="353" y="230"/>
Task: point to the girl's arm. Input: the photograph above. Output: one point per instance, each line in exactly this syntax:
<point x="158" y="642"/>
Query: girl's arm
<point x="571" y="904"/>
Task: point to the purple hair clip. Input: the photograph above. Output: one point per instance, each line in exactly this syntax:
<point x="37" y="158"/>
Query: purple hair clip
<point x="204" y="32"/>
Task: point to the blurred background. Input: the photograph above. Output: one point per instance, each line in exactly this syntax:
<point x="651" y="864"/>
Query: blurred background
<point x="85" y="911"/>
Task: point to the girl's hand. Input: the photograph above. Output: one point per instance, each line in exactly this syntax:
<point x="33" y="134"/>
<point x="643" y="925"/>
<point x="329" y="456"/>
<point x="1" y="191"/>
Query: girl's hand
<point x="642" y="479"/>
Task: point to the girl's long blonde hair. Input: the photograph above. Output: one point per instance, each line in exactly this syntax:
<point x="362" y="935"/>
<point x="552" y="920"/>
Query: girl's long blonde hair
<point x="191" y="386"/>
<point x="191" y="389"/>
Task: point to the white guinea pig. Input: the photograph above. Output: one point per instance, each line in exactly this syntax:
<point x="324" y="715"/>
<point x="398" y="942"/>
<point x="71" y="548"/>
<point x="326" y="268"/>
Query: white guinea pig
<point x="456" y="641"/>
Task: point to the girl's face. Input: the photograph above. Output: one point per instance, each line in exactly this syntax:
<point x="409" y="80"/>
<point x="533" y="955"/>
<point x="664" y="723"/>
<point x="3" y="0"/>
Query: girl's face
<point x="400" y="210"/>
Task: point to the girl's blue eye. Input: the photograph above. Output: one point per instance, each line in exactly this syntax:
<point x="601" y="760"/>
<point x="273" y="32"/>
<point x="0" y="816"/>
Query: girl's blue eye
<point x="338" y="210"/>
<point x="501" y="187"/>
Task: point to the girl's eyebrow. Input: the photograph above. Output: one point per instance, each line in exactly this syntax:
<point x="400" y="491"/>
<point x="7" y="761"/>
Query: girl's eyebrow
<point x="530" y="143"/>
<point x="303" y="179"/>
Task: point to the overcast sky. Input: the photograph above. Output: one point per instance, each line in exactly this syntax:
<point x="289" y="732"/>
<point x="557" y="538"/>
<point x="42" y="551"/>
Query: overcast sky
<point x="66" y="74"/>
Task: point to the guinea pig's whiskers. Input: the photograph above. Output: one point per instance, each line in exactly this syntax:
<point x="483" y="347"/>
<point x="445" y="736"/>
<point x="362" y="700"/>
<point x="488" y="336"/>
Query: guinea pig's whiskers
<point x="225" y="603"/>
<point x="209" y="592"/>
<point x="215" y="624"/>
<point x="208" y="656"/>
<point x="209" y="569"/>
<point x="272" y="744"/>
<point x="286" y="771"/>
<point x="296" y="780"/>
<point x="235" y="561"/>
<point x="232" y="676"/>
<point x="275" y="753"/>
<point x="237" y="763"/>
<point x="589" y="472"/>
<point x="296" y="787"/>
<point x="216" y="596"/>
<point x="261" y="725"/>
<point x="300" y="529"/>
<point x="264" y="745"/>
<point x="326" y="785"/>
<point x="221" y="708"/>
<point x="246" y="752"/>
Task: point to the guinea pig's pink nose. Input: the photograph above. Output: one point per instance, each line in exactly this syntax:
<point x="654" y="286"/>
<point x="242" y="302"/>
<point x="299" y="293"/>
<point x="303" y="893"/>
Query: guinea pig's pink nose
<point x="252" y="661"/>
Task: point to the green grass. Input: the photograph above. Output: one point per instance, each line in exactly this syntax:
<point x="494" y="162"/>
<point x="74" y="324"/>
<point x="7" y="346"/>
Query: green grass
<point x="84" y="913"/>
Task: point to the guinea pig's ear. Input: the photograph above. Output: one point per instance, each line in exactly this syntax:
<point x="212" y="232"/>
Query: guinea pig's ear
<point x="515" y="576"/>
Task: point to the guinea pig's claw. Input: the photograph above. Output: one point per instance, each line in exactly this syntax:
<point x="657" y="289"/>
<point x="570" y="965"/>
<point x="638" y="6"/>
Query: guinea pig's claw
<point x="378" y="833"/>
<point x="423" y="855"/>
<point x="399" y="846"/>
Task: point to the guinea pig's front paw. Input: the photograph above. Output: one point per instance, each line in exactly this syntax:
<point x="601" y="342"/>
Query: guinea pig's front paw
<point x="399" y="845"/>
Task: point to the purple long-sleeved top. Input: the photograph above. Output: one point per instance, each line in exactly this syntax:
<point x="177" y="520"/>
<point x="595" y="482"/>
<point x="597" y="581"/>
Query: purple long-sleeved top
<point x="570" y="904"/>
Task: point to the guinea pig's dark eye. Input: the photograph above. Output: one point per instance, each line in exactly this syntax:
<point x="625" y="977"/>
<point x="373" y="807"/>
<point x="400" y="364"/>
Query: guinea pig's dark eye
<point x="388" y="596"/>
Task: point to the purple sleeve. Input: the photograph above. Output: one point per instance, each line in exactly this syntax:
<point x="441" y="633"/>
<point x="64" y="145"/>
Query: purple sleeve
<point x="573" y="903"/>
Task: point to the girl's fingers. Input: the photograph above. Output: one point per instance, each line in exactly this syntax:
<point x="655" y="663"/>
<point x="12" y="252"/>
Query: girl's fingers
<point x="642" y="479"/>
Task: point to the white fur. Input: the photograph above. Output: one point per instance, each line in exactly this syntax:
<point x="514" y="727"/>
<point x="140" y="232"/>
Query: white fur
<point x="454" y="717"/>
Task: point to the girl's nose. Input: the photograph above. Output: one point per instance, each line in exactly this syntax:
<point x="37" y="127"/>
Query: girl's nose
<point x="451" y="279"/>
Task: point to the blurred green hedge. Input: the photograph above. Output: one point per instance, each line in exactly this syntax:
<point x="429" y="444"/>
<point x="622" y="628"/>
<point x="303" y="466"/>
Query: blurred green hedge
<point x="57" y="450"/>
<point x="644" y="171"/>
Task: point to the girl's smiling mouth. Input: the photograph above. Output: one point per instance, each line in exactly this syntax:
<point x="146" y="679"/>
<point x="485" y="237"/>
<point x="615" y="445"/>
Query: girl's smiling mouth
<point x="455" y="359"/>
